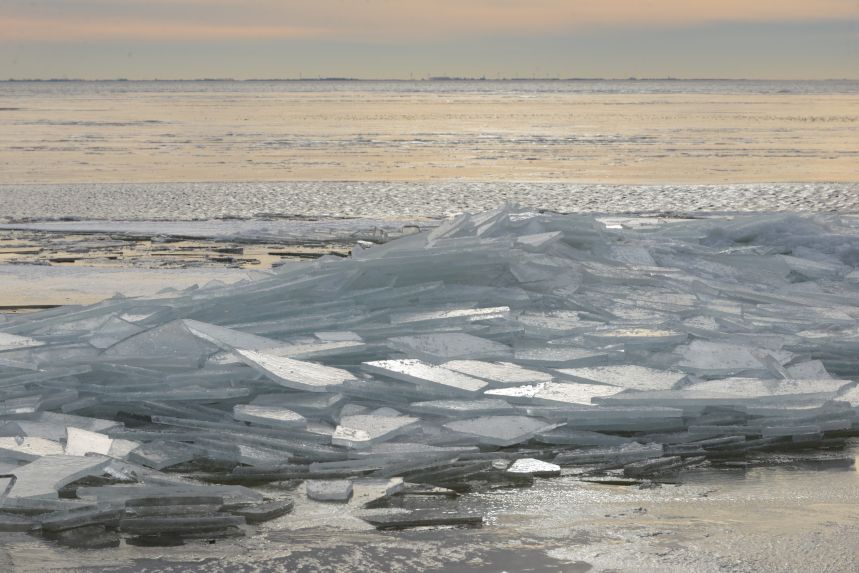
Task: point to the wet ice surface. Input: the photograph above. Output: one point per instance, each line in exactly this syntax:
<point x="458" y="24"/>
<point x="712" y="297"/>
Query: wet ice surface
<point x="773" y="518"/>
<point x="446" y="359"/>
<point x="377" y="200"/>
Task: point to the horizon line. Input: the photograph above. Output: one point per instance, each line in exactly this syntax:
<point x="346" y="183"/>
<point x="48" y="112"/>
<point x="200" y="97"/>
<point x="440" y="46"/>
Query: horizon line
<point x="431" y="79"/>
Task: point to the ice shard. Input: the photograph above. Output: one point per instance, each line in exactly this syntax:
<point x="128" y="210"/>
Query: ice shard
<point x="329" y="490"/>
<point x="555" y="393"/>
<point x="296" y="373"/>
<point x="500" y="430"/>
<point x="364" y="430"/>
<point x="498" y="373"/>
<point x="421" y="373"/>
<point x="627" y="376"/>
<point x="269" y="416"/>
<point x="44" y="477"/>
<point x="448" y="345"/>
<point x="533" y="467"/>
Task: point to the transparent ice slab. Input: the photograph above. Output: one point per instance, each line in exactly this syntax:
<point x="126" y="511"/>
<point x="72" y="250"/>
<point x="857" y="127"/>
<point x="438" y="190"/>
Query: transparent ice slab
<point x="44" y="477"/>
<point x="161" y="454"/>
<point x="500" y="430"/>
<point x="448" y="345"/>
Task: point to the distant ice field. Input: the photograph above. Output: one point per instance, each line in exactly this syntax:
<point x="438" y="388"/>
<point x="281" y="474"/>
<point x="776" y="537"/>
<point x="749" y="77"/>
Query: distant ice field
<point x="402" y="200"/>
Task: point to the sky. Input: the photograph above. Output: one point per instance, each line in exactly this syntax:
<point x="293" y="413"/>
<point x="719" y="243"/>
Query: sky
<point x="242" y="39"/>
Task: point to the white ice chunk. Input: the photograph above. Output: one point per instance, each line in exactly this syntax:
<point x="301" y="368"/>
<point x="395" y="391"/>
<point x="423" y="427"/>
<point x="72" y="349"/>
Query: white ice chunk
<point x="364" y="430"/>
<point x="500" y="373"/>
<point x="555" y="393"/>
<point x="469" y="314"/>
<point x="14" y="342"/>
<point x="418" y="372"/>
<point x="28" y="449"/>
<point x="268" y="416"/>
<point x="534" y="467"/>
<point x="296" y="373"/>
<point x="636" y="335"/>
<point x="82" y="442"/>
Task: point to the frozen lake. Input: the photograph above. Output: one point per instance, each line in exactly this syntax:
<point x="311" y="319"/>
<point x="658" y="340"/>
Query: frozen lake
<point x="631" y="132"/>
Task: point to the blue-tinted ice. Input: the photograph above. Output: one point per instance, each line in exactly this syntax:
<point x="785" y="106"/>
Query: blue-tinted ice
<point x="510" y="335"/>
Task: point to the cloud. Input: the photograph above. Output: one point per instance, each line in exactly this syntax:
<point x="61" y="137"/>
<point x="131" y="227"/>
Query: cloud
<point x="379" y="20"/>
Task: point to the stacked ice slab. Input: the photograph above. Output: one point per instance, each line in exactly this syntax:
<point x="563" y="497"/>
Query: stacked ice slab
<point x="442" y="358"/>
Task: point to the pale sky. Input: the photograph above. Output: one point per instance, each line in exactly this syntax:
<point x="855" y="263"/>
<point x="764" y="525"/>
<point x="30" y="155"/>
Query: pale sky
<point x="171" y="39"/>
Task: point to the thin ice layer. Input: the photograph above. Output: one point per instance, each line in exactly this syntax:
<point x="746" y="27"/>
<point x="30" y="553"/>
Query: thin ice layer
<point x="448" y="345"/>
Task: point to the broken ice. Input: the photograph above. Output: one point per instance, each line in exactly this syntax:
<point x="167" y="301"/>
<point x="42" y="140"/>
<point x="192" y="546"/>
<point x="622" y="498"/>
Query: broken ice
<point x="489" y="350"/>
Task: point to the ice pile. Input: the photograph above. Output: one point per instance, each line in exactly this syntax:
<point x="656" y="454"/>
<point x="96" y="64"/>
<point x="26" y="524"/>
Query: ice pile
<point x="492" y="349"/>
